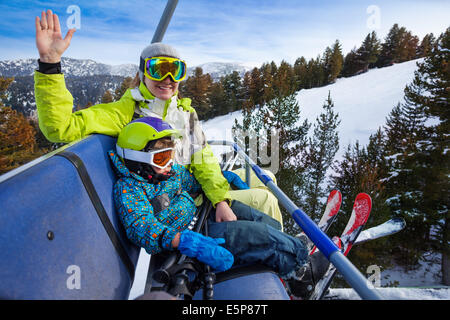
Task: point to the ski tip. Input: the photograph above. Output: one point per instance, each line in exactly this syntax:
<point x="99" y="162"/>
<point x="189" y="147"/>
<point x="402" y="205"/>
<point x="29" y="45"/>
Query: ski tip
<point x="399" y="221"/>
<point x="360" y="214"/>
<point x="363" y="199"/>
<point x="334" y="202"/>
<point x="335" y="193"/>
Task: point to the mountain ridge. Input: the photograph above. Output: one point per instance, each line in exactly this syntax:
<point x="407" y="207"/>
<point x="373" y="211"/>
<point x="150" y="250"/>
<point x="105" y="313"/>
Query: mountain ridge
<point x="87" y="67"/>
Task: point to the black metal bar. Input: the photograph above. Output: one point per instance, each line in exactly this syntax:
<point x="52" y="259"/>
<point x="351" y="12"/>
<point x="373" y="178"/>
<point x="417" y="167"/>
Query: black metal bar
<point x="164" y="21"/>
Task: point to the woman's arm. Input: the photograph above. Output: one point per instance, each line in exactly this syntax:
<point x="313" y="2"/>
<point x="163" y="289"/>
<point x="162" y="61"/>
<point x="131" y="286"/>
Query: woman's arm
<point x="55" y="103"/>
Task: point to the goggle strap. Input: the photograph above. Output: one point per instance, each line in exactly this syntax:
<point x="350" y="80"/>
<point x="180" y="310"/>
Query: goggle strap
<point x="142" y="64"/>
<point x="134" y="155"/>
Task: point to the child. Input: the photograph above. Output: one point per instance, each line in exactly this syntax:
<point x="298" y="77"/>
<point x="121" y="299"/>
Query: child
<point x="153" y="196"/>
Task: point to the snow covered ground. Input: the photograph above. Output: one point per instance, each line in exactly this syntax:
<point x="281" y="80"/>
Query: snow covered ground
<point x="363" y="103"/>
<point x="394" y="294"/>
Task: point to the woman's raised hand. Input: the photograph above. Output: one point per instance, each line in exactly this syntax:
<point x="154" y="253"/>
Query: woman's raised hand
<point x="49" y="41"/>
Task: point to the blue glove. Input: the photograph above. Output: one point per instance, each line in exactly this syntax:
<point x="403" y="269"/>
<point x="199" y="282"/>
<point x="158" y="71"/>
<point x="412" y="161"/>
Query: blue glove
<point x="206" y="250"/>
<point x="235" y="180"/>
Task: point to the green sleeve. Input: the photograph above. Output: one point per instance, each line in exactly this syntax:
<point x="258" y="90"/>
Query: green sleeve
<point x="58" y="123"/>
<point x="206" y="170"/>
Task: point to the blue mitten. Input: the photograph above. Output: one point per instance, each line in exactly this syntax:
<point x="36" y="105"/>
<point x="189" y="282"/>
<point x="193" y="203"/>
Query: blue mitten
<point x="206" y="250"/>
<point x="235" y="180"/>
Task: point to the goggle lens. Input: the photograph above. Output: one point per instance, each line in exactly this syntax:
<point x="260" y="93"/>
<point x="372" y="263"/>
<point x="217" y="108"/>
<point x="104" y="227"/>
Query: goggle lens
<point x="160" y="68"/>
<point x="162" y="158"/>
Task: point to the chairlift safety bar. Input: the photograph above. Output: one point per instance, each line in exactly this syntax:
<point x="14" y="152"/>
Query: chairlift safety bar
<point x="351" y="274"/>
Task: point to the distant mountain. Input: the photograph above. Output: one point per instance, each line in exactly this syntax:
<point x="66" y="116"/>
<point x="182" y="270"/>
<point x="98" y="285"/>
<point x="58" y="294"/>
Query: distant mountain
<point x="71" y="67"/>
<point x="219" y="69"/>
<point x="87" y="80"/>
<point x="84" y="90"/>
<point x="85" y="67"/>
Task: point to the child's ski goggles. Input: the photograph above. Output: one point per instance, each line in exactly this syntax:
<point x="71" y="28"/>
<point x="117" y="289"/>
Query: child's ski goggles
<point x="159" y="158"/>
<point x="158" y="68"/>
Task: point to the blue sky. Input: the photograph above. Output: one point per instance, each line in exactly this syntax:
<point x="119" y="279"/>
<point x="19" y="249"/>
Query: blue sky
<point x="245" y="31"/>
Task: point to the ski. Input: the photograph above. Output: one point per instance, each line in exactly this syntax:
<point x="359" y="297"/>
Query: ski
<point x="333" y="205"/>
<point x="382" y="230"/>
<point x="360" y="213"/>
<point x="329" y="215"/>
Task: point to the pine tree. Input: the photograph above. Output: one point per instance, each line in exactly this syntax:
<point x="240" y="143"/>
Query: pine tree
<point x="428" y="96"/>
<point x="404" y="180"/>
<point x="322" y="147"/>
<point x="256" y="87"/>
<point x="120" y="91"/>
<point x="326" y="64"/>
<point x="218" y="101"/>
<point x="426" y="45"/>
<point x="347" y="177"/>
<point x="284" y="80"/>
<point x="233" y="89"/>
<point x="374" y="180"/>
<point x="300" y="73"/>
<point x="408" y="46"/>
<point x="17" y="140"/>
<point x="267" y="72"/>
<point x="399" y="46"/>
<point x="369" y="51"/>
<point x="197" y="87"/>
<point x="352" y="64"/>
<point x="282" y="115"/>
<point x="336" y="62"/>
<point x="107" y="97"/>
<point x="389" y="47"/>
<point x="17" y="135"/>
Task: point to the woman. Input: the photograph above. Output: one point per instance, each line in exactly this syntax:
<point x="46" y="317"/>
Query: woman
<point x="160" y="72"/>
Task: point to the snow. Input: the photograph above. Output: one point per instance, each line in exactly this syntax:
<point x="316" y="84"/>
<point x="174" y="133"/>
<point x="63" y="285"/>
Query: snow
<point x="384" y="228"/>
<point x="395" y="294"/>
<point x="363" y="103"/>
<point x="426" y="274"/>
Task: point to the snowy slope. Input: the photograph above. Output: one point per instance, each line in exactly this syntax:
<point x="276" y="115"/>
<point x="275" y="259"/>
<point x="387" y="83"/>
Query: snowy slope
<point x="363" y="103"/>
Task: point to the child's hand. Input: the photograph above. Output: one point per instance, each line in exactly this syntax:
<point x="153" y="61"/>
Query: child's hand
<point x="224" y="212"/>
<point x="49" y="41"/>
<point x="206" y="250"/>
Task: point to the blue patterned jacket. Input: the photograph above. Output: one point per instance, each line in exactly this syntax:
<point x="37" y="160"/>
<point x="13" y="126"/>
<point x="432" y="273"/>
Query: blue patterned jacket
<point x="154" y="231"/>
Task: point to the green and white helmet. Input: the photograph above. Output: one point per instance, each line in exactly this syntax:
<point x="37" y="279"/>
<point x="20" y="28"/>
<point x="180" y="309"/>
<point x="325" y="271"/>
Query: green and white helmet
<point x="137" y="134"/>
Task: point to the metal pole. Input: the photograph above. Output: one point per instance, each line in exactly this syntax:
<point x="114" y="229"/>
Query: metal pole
<point x="320" y="239"/>
<point x="247" y="174"/>
<point x="164" y="21"/>
<point x="162" y="275"/>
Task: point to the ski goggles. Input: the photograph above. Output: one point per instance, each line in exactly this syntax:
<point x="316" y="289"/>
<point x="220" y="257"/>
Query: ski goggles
<point x="161" y="158"/>
<point x="159" y="68"/>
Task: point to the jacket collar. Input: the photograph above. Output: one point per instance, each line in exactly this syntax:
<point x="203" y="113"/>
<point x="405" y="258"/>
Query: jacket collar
<point x="121" y="168"/>
<point x="149" y="104"/>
